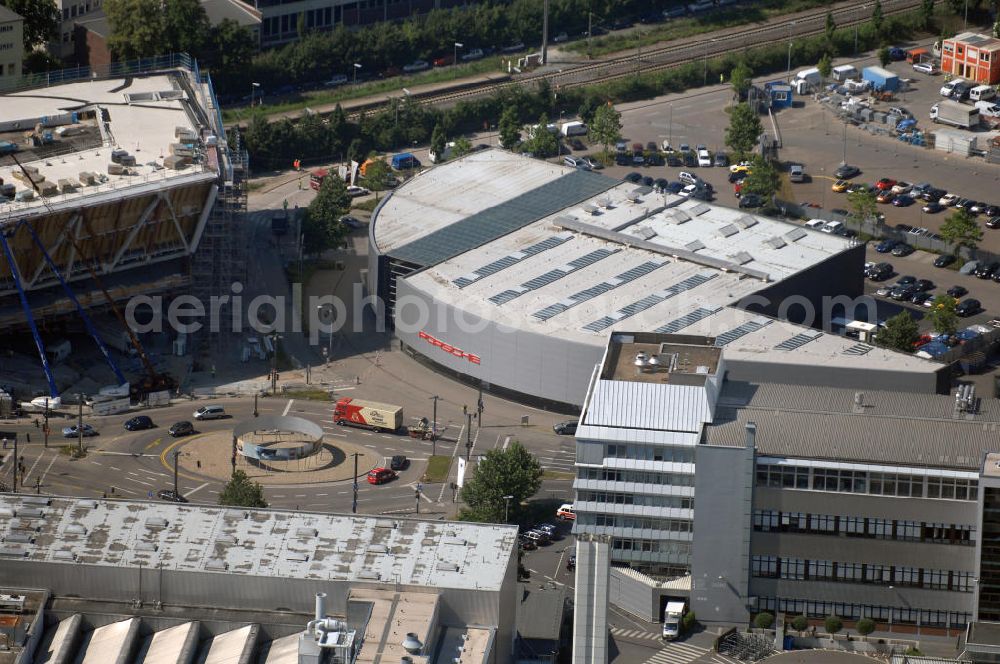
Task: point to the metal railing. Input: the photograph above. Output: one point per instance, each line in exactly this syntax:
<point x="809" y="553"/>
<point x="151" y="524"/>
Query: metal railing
<point x="112" y="70"/>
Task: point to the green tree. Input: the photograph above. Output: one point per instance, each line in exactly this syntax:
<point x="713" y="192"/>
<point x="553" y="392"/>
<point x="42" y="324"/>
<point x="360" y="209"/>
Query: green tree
<point x="741" y="77"/>
<point x="543" y="142"/>
<point x="942" y="314"/>
<point x="927" y="14"/>
<point x="377" y="175"/>
<point x="865" y="626"/>
<point x="135" y="28"/>
<point x="961" y="230"/>
<point x="763" y="180"/>
<point x="833" y="624"/>
<point x="502" y="472"/>
<point x="744" y="130"/>
<point x="763" y="620"/>
<point x="914" y="651"/>
<point x="899" y="333"/>
<point x="510" y="128"/>
<point x="606" y="127"/>
<point x="689" y="621"/>
<point x="462" y="146"/>
<point x="321" y="227"/>
<point x="883" y="56"/>
<point x="41" y="21"/>
<point x="186" y="27"/>
<point x="233" y="45"/>
<point x="825" y="66"/>
<point x="863" y="204"/>
<point x="829" y="32"/>
<point x="878" y="19"/>
<point x="241" y="491"/>
<point x="800" y="623"/>
<point x="439" y="143"/>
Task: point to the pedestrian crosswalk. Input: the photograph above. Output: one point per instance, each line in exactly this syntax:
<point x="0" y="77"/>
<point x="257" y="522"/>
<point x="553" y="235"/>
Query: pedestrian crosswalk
<point x="676" y="653"/>
<point x="634" y="634"/>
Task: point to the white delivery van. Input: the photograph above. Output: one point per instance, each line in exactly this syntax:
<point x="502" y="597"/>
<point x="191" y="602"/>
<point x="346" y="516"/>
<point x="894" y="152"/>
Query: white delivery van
<point x="989" y="109"/>
<point x="810" y="76"/>
<point x="672" y="616"/>
<point x="844" y="72"/>
<point x="573" y="129"/>
<point x="982" y="93"/>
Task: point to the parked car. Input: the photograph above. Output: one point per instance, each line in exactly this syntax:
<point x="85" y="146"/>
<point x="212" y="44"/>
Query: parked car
<point x="139" y="423"/>
<point x="885" y="183"/>
<point x="885" y="196"/>
<point x="721" y="159"/>
<point x="526" y="543"/>
<point x="925" y="68"/>
<point x="886" y="245"/>
<point x="72" y="431"/>
<point x="688" y="178"/>
<point x="880" y="271"/>
<point x="415" y="66"/>
<point x="986" y="270"/>
<point x="948" y="200"/>
<point x="840" y="186"/>
<point x="921" y="297"/>
<point x="473" y="54"/>
<point x="969" y="267"/>
<point x="704" y="158"/>
<point x="933" y="207"/>
<point x="968" y="307"/>
<point x="944" y="260"/>
<point x="902" y="249"/>
<point x="399" y="462"/>
<point x="846" y="172"/>
<point x="171" y="496"/>
<point x="904" y="200"/>
<point x="571" y="561"/>
<point x="351" y="222"/>
<point x="567" y="428"/>
<point x="933" y="195"/>
<point x="560" y="38"/>
<point x="749" y="201"/>
<point x="633" y="177"/>
<point x="958" y="291"/>
<point x="993" y="223"/>
<point x="380" y="475"/>
<point x="182" y="428"/>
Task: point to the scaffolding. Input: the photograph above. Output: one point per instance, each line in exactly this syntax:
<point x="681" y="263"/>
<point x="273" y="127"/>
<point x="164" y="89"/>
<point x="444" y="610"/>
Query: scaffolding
<point x="220" y="259"/>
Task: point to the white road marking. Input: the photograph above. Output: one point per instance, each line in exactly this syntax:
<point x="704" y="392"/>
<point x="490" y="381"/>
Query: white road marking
<point x="288" y="407"/>
<point x="49" y="467"/>
<point x="322" y="494"/>
<point x="97" y="463"/>
<point x="118" y="469"/>
<point x="130" y="479"/>
<point x="195" y="490"/>
<point x="506" y="443"/>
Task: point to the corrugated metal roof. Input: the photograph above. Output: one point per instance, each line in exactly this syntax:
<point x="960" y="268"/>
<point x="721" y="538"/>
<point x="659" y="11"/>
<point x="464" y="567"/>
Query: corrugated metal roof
<point x="495" y="222"/>
<point x="541" y="611"/>
<point x="863" y="438"/>
<point x="630" y="404"/>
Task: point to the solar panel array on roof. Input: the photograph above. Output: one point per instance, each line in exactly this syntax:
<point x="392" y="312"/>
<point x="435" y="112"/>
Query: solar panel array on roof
<point x="746" y="221"/>
<point x="541" y="280"/>
<point x="775" y="242"/>
<point x="699" y="209"/>
<point x="687" y="320"/>
<point x="795" y="234"/>
<point x="592" y="292"/>
<point x="746" y="328"/>
<point x="649" y="301"/>
<point x="799" y="340"/>
<point x="512" y="259"/>
<point x="495" y="222"/>
<point x="694" y="245"/>
<point x="858" y="349"/>
<point x="728" y="230"/>
<point x="741" y="258"/>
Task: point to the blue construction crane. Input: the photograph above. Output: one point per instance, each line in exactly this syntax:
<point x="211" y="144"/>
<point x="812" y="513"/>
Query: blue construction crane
<point x="79" y="309"/>
<point x="53" y="390"/>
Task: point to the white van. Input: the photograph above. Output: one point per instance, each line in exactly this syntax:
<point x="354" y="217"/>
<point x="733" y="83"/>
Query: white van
<point x="982" y="93"/>
<point x="209" y="413"/>
<point x="988" y="109"/>
<point x="844" y="72"/>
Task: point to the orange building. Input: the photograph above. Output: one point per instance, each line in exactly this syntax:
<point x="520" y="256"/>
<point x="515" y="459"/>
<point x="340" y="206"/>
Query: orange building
<point x="972" y="56"/>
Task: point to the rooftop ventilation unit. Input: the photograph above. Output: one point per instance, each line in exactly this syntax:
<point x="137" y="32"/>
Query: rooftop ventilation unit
<point x="75" y="529"/>
<point x="412" y="644"/>
<point x="12" y="602"/>
<point x="156" y="522"/>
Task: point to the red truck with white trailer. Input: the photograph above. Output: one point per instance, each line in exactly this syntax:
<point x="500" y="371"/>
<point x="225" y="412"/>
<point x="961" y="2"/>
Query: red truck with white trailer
<point x="368" y="414"/>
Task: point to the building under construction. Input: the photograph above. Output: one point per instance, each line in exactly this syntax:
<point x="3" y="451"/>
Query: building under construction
<point x="112" y="188"/>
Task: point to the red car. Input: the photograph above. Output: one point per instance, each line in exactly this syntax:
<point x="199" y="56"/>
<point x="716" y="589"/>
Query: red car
<point x="380" y="475"/>
<point x="885" y="183"/>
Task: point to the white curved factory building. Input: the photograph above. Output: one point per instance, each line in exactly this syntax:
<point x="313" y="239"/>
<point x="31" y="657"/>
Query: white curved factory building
<point x="510" y="272"/>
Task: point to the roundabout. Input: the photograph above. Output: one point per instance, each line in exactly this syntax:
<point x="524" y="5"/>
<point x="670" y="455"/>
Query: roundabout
<point x="273" y="450"/>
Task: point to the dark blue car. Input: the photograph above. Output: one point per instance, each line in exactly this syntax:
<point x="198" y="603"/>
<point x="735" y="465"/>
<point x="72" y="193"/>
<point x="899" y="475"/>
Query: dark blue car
<point x="885" y="246"/>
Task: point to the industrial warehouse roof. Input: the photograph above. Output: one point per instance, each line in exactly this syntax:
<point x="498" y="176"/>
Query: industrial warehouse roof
<point x="257" y="543"/>
<point x="828" y="423"/>
<point x="624" y="258"/>
<point x="139" y="115"/>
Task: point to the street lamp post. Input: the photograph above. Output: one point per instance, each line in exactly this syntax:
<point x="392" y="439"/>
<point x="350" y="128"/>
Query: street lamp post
<point x="177" y="454"/>
<point x="354" y="502"/>
<point x="506" y="507"/>
<point x="328" y="351"/>
<point x="357" y="66"/>
<point x="434" y="422"/>
<point x="253" y="88"/>
<point x="788" y="74"/>
<point x="79" y="422"/>
<point x="274" y="361"/>
<point x="454" y="57"/>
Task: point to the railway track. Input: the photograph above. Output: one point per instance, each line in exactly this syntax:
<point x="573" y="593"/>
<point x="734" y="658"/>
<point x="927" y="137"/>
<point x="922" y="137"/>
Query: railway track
<point x="805" y="24"/>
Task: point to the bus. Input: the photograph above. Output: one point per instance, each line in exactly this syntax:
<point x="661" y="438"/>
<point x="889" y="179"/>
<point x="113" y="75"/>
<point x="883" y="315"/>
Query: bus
<point x="317" y="177"/>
